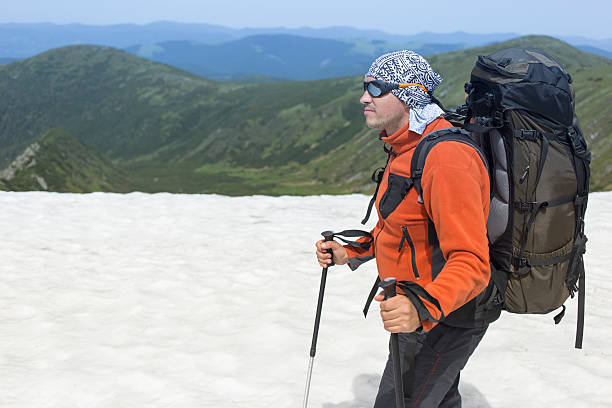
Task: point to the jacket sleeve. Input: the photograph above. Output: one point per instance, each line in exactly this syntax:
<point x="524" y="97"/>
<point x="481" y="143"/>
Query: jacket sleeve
<point x="358" y="256"/>
<point x="456" y="196"/>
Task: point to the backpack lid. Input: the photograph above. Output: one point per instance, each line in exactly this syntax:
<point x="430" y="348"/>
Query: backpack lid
<point x="526" y="79"/>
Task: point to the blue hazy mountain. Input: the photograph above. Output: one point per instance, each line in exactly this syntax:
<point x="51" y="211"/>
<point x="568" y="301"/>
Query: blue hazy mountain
<point x="25" y="40"/>
<point x="595" y="50"/>
<point x="20" y="40"/>
<point x="602" y="44"/>
<point x="280" y="56"/>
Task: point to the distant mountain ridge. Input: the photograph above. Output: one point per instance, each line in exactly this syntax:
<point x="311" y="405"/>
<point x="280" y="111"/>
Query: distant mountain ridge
<point x="25" y="40"/>
<point x="174" y="131"/>
<point x="595" y="50"/>
<point x="282" y="56"/>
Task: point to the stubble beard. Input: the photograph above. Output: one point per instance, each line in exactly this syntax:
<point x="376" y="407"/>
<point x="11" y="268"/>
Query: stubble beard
<point x="376" y="124"/>
<point x="387" y="124"/>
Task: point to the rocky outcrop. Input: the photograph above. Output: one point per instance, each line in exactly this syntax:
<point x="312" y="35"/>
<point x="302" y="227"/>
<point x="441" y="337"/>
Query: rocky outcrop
<point x="25" y="160"/>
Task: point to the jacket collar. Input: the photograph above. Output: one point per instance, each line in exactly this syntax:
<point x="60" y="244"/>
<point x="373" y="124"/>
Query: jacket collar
<point x="405" y="139"/>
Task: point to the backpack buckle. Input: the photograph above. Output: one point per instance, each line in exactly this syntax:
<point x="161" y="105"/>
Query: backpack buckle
<point x="377" y="175"/>
<point x="529" y="135"/>
<point x="521" y="262"/>
<point x="576" y="143"/>
<point x="521" y="265"/>
<point x="498" y="299"/>
<point x="580" y="200"/>
<point x="524" y="206"/>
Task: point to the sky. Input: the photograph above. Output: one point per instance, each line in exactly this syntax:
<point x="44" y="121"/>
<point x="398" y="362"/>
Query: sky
<point x="588" y="18"/>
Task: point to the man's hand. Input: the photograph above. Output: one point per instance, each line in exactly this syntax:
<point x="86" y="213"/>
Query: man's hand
<point x="340" y="255"/>
<point x="398" y="314"/>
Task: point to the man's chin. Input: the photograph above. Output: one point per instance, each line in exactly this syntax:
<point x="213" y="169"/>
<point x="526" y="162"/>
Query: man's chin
<point x="374" y="125"/>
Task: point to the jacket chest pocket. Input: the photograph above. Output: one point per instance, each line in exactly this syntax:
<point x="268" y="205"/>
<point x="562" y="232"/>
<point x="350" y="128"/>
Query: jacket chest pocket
<point x="398" y="187"/>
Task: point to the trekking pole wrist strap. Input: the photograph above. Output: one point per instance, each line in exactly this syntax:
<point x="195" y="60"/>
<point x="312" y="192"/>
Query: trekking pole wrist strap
<point x="354" y="234"/>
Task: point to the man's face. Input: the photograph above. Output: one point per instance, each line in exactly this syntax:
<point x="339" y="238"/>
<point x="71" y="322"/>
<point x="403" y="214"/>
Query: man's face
<point x="386" y="113"/>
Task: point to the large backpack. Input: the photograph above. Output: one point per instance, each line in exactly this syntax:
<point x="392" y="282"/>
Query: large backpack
<point x="520" y="118"/>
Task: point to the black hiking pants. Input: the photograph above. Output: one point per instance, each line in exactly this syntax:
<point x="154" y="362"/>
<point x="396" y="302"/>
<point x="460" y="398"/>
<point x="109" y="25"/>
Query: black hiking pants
<point x="437" y="358"/>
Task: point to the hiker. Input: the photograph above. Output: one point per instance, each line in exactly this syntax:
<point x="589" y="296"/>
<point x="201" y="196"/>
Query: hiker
<point x="436" y="245"/>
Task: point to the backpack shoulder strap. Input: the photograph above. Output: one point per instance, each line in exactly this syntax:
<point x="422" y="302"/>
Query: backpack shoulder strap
<point x="428" y="142"/>
<point x="377" y="177"/>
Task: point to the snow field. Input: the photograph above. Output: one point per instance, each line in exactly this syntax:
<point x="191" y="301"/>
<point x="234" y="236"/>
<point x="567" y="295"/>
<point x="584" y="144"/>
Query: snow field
<point x="165" y="300"/>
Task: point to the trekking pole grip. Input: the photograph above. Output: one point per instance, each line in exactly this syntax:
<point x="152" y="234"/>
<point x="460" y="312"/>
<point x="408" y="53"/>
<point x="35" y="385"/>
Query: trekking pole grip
<point x="388" y="286"/>
<point x="329" y="236"/>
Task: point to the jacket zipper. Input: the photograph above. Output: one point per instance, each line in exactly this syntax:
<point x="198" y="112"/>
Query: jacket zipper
<point x="406" y="237"/>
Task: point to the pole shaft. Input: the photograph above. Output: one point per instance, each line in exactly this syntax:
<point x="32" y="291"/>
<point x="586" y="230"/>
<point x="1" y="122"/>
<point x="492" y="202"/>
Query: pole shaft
<point x="307" y="390"/>
<point x="328" y="236"/>
<point x="388" y="286"/>
<point x="397" y="371"/>
<point x="315" y="332"/>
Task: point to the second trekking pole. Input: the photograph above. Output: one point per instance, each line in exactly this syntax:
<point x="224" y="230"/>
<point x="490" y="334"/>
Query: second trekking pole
<point x="388" y="285"/>
<point x="328" y="236"/>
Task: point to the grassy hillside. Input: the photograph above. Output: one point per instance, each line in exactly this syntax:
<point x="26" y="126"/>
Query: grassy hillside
<point x="174" y="131"/>
<point x="157" y="119"/>
<point x="59" y="162"/>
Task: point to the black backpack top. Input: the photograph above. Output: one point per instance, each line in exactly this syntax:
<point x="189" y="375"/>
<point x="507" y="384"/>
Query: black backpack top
<point x="520" y="79"/>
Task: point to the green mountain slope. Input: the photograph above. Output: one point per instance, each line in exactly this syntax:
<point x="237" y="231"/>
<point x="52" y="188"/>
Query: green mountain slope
<point x="144" y="114"/>
<point x="116" y="100"/>
<point x="59" y="162"/>
<point x="174" y="131"/>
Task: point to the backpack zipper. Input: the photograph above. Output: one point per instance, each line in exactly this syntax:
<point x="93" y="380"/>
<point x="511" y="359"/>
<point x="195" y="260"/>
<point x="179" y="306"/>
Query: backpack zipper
<point x="406" y="237"/>
<point x="524" y="176"/>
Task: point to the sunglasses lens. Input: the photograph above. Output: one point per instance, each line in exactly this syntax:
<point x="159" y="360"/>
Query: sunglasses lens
<point x="373" y="89"/>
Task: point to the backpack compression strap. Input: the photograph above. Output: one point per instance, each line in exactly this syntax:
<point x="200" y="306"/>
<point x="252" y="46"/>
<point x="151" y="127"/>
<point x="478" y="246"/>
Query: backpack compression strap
<point x="581" y="161"/>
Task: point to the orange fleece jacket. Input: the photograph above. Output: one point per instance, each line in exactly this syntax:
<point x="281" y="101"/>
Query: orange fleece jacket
<point x="455" y="186"/>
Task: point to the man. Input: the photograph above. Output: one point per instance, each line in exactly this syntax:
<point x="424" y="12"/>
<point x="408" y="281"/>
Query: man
<point x="435" y="245"/>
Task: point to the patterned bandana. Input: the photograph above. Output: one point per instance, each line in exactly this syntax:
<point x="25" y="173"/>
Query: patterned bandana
<point x="404" y="67"/>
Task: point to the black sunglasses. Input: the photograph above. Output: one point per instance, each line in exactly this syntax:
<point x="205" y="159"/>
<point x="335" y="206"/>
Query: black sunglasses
<point x="378" y="88"/>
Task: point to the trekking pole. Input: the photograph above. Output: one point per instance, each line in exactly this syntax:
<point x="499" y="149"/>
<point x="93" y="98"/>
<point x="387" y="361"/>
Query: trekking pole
<point x="328" y="236"/>
<point x="388" y="285"/>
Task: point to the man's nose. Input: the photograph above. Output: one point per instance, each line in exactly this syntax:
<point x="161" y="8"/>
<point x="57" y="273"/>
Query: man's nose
<point x="365" y="98"/>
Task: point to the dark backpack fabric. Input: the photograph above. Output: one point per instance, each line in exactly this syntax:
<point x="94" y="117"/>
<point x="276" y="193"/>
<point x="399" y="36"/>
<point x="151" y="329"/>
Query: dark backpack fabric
<point x="520" y="118"/>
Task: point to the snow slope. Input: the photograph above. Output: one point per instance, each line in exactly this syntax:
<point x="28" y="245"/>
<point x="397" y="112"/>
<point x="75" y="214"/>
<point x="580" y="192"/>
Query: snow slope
<point x="168" y="300"/>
